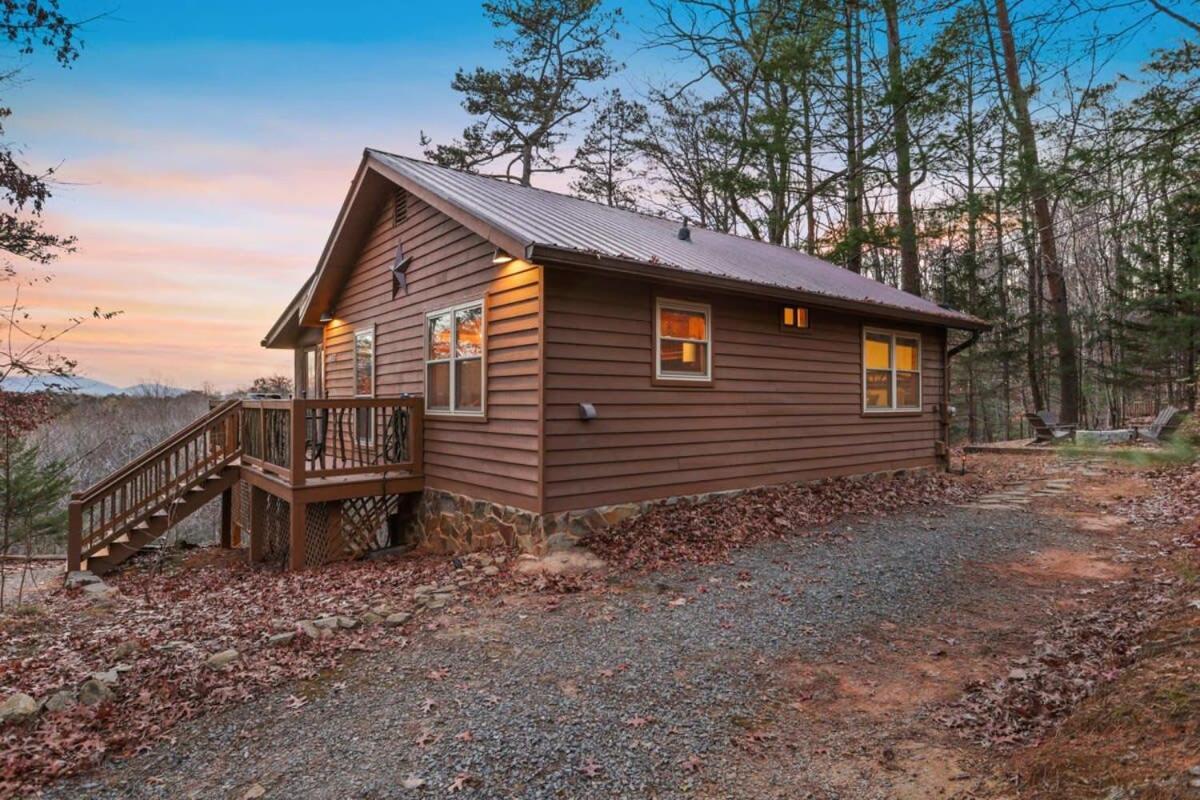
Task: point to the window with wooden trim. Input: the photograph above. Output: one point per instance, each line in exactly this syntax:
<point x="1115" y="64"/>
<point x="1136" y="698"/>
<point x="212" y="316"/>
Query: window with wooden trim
<point x="364" y="381"/>
<point x="891" y="370"/>
<point x="794" y="318"/>
<point x="682" y="340"/>
<point x="454" y="360"/>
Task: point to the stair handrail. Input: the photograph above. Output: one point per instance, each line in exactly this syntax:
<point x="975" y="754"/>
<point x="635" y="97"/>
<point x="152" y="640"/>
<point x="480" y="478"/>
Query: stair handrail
<point x="159" y="449"/>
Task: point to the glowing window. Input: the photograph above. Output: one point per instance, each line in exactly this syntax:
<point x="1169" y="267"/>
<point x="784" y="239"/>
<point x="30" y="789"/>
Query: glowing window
<point x="795" y="318"/>
<point x="891" y="371"/>
<point x="454" y="370"/>
<point x="683" y="341"/>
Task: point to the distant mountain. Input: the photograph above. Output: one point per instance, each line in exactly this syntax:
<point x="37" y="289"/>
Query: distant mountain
<point x="88" y="386"/>
<point x="154" y="390"/>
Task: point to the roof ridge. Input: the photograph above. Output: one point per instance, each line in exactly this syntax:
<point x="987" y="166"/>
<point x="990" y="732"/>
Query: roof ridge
<point x="596" y="203"/>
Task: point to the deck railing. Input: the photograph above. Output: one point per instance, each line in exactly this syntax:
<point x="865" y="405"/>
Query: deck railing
<point x="301" y="439"/>
<point x="294" y="440"/>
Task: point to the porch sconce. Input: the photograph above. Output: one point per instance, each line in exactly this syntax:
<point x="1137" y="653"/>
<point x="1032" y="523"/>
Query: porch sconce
<point x="587" y="412"/>
<point x="500" y="257"/>
<point x="327" y="317"/>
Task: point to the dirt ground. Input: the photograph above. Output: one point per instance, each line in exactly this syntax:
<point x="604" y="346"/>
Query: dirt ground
<point x="868" y="713"/>
<point x="1037" y="642"/>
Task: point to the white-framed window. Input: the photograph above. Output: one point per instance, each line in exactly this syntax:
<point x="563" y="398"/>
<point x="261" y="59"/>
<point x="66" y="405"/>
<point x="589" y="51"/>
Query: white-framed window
<point x="891" y="370"/>
<point x="454" y="360"/>
<point x="364" y="381"/>
<point x="682" y="340"/>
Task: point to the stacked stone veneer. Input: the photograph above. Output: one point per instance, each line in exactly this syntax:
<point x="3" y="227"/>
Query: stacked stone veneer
<point x="444" y="522"/>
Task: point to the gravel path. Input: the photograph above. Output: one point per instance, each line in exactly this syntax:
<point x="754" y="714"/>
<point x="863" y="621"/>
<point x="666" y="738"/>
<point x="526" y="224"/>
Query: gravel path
<point x="608" y="696"/>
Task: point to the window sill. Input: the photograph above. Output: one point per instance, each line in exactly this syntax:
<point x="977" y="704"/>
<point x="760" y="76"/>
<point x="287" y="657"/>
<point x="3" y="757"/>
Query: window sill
<point x="901" y="412"/>
<point x="450" y="416"/>
<point x="682" y="383"/>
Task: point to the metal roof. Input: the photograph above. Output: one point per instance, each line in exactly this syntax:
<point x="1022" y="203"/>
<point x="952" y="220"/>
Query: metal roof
<point x="543" y="220"/>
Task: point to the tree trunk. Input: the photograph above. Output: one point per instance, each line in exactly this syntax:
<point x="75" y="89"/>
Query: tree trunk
<point x="910" y="267"/>
<point x="853" y="174"/>
<point x="1035" y="185"/>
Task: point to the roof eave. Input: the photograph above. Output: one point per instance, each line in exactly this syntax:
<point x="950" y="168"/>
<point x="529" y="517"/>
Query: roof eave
<point x="285" y="333"/>
<point x="541" y="253"/>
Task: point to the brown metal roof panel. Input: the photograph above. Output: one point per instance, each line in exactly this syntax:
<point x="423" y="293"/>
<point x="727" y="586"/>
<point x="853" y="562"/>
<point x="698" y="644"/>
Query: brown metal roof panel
<point x="540" y="217"/>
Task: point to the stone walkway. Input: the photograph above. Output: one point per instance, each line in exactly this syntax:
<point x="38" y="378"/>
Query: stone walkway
<point x="1018" y="495"/>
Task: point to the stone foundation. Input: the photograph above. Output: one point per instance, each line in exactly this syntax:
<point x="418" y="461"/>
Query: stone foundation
<point x="444" y="522"/>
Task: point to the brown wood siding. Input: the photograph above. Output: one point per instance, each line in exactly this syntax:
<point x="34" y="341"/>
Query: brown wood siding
<point x="495" y="459"/>
<point x="783" y="406"/>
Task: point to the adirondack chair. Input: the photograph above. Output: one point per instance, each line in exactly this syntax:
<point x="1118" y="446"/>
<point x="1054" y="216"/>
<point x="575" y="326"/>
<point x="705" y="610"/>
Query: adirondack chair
<point x="1164" y="425"/>
<point x="1044" y="431"/>
<point x="1051" y="419"/>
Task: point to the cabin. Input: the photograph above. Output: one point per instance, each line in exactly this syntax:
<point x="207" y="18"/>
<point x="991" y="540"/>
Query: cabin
<point x="481" y="363"/>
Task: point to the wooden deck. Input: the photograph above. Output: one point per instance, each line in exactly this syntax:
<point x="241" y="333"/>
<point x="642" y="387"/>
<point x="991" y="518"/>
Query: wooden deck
<point x="299" y="451"/>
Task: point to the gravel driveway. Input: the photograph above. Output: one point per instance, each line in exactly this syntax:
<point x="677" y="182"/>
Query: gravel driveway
<point x="632" y="691"/>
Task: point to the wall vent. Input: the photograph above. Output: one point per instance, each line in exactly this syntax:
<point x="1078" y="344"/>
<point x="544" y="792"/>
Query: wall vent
<point x="400" y="207"/>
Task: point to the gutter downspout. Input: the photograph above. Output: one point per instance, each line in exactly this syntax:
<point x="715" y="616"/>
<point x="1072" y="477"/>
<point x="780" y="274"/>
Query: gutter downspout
<point x="944" y="416"/>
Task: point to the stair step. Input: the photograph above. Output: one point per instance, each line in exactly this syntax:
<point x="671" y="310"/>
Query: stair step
<point x="142" y="526"/>
<point x="122" y="539"/>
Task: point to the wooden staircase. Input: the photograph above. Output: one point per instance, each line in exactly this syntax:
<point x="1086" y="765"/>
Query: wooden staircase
<point x="115" y="518"/>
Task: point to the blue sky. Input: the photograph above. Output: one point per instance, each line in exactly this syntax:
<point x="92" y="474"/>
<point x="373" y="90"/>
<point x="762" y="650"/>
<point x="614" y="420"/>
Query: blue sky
<point x="206" y="146"/>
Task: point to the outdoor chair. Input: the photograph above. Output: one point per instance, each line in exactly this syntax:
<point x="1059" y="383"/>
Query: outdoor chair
<point x="1163" y="427"/>
<point x="1045" y="431"/>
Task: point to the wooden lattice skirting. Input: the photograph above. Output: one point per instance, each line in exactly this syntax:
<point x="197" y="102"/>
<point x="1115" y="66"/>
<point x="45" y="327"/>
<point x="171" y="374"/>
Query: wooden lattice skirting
<point x="333" y="531"/>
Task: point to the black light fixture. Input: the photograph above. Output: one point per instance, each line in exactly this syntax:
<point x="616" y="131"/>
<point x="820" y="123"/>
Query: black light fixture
<point x="327" y="317"/>
<point x="500" y="257"/>
<point x="399" y="268"/>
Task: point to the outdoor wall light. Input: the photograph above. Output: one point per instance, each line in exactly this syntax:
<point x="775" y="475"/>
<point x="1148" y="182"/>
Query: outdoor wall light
<point x="327" y="317"/>
<point x="500" y="257"/>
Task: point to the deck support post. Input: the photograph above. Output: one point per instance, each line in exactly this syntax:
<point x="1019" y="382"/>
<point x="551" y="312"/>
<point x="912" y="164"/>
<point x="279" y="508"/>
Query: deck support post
<point x="258" y="524"/>
<point x="297" y="535"/>
<point x="74" y="534"/>
<point x="227" y="518"/>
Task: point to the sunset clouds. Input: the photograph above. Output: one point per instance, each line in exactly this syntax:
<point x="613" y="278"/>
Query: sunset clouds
<point x="204" y="150"/>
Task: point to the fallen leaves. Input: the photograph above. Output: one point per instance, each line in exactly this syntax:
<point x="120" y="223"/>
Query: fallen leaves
<point x="1070" y="661"/>
<point x="708" y="531"/>
<point x="163" y="624"/>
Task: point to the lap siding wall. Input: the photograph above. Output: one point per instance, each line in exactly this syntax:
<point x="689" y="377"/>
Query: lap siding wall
<point x="782" y="407"/>
<point x="496" y="459"/>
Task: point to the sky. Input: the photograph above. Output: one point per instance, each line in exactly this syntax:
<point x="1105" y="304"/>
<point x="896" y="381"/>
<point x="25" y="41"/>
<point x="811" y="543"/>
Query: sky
<point x="204" y="147"/>
<point x="203" y="150"/>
